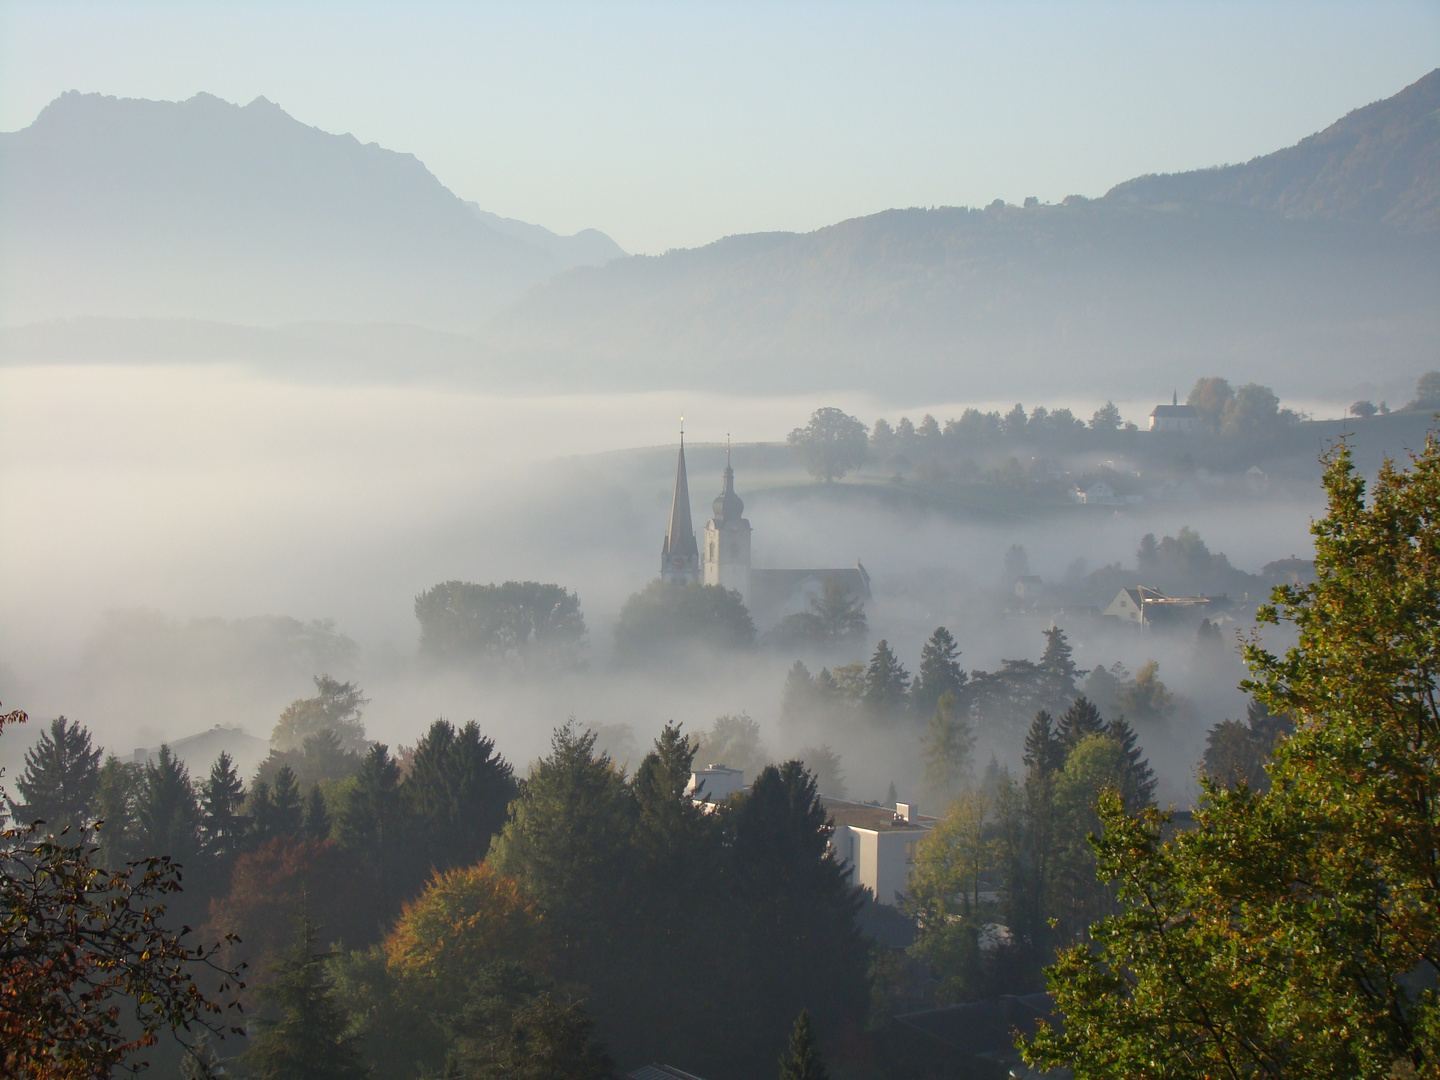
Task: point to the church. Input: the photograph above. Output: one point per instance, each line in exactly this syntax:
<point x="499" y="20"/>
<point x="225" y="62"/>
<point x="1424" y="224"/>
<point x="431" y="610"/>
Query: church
<point x="724" y="557"/>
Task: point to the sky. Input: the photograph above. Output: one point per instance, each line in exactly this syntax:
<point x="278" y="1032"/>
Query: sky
<point x="670" y="125"/>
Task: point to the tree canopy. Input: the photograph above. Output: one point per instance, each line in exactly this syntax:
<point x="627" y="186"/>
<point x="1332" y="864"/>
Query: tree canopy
<point x="460" y="620"/>
<point x="831" y="444"/>
<point x="1282" y="936"/>
<point x="663" y="620"/>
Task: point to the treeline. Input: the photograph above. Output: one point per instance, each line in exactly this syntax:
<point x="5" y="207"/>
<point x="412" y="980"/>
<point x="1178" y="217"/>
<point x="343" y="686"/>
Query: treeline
<point x="464" y="915"/>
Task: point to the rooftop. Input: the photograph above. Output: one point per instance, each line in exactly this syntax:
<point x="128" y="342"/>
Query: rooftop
<point x="875" y="818"/>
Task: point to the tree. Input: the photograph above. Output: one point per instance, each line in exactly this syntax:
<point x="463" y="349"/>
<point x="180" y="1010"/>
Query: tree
<point x="940" y="672"/>
<point x="1106" y="418"/>
<point x="1254" y="410"/>
<point x="943" y="897"/>
<point x="88" y="976"/>
<point x="1427" y="392"/>
<point x="1363" y="409"/>
<point x="795" y="908"/>
<point x="167" y="817"/>
<point x="457" y="793"/>
<point x="287" y="812"/>
<point x="222" y="825"/>
<point x="460" y="620"/>
<point x="336" y="707"/>
<point x="1080" y="721"/>
<point x="62" y="773"/>
<point x="1281" y="936"/>
<point x="733" y="741"/>
<point x="1210" y="398"/>
<point x="1237" y="753"/>
<point x="1137" y="779"/>
<point x="305" y="1036"/>
<point x="322" y="756"/>
<point x="663" y="619"/>
<point x="373" y="825"/>
<point x="116" y="791"/>
<point x="1044" y="751"/>
<point x="947" y="751"/>
<point x="823" y="763"/>
<point x="567" y="844"/>
<point x="317" y="816"/>
<point x="802" y="1060"/>
<point x="831" y="444"/>
<point x="887" y="684"/>
<point x="836" y="617"/>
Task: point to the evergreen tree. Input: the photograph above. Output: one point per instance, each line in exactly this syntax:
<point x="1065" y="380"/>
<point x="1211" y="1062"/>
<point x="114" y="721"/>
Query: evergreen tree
<point x="457" y="793"/>
<point x="317" y="815"/>
<point x="798" y="697"/>
<point x="1044" y="752"/>
<point x="372" y="824"/>
<point x="794" y="904"/>
<point x="1079" y="721"/>
<point x="167" y="816"/>
<point x="947" y="750"/>
<point x="1057" y="669"/>
<point x="802" y="1060"/>
<point x="568" y="844"/>
<point x="841" y="616"/>
<point x="1137" y="779"/>
<point x="304" y="1037"/>
<point x="62" y="773"/>
<point x="286" y="810"/>
<point x="116" y="792"/>
<point x="940" y="672"/>
<point x="260" y="809"/>
<point x="887" y="684"/>
<point x="222" y="825"/>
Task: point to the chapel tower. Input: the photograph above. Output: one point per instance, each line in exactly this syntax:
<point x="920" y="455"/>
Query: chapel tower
<point x="726" y="558"/>
<point x="679" y="555"/>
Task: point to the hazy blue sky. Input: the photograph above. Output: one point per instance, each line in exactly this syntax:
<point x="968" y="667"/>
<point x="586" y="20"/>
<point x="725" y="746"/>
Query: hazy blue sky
<point x="672" y="124"/>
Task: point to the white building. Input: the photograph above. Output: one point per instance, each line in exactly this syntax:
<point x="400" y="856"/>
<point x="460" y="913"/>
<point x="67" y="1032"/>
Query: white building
<point x="877" y="844"/>
<point x="715" y="784"/>
<point x="1175" y="417"/>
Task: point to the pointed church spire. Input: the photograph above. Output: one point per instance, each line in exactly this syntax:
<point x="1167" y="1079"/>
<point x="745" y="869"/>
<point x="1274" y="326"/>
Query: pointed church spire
<point x="1175" y="397"/>
<point x="680" y="556"/>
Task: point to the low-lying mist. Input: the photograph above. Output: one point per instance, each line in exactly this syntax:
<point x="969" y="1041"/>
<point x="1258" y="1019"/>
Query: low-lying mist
<point x="177" y="537"/>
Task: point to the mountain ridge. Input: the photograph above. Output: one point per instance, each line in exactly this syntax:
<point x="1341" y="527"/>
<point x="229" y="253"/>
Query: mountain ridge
<point x="121" y="206"/>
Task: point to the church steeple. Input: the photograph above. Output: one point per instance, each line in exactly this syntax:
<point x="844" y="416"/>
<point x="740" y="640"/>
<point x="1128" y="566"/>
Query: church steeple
<point x="680" y="555"/>
<point x="726" y="558"/>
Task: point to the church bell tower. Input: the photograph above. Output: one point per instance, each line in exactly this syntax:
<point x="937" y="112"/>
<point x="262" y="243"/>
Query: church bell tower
<point x="679" y="555"/>
<point x="726" y="558"/>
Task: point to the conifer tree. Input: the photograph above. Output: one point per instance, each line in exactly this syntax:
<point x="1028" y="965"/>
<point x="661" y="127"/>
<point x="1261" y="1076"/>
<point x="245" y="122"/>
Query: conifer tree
<point x="1044" y="753"/>
<point x="304" y="1037"/>
<point x="287" y="811"/>
<point x="62" y="773"/>
<point x="802" y="1060"/>
<point x="947" y="751"/>
<point x="317" y="815"/>
<point x="222" y="825"/>
<point x="260" y="809"/>
<point x="1137" y="779"/>
<point x="798" y="698"/>
<point x="887" y="684"/>
<point x="116" y="791"/>
<point x="373" y="825"/>
<point x="940" y="672"/>
<point x="1079" y="721"/>
<point x="167" y="816"/>
<point x="457" y="792"/>
<point x="1057" y="668"/>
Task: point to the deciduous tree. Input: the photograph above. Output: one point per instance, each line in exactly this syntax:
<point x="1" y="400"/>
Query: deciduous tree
<point x="831" y="444"/>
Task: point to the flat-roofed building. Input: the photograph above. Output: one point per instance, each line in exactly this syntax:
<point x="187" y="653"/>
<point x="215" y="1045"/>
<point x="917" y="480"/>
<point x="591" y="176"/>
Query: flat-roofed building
<point x="877" y="844"/>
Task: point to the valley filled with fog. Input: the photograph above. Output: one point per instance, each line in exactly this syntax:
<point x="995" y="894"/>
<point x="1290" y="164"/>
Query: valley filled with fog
<point x="165" y="507"/>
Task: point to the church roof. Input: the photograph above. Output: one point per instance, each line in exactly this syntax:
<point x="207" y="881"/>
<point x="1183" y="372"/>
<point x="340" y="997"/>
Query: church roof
<point x="680" y="537"/>
<point x="727" y="505"/>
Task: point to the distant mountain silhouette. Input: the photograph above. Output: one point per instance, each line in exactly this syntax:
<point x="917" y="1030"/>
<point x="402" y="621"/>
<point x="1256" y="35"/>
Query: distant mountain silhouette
<point x="1310" y="269"/>
<point x="204" y="209"/>
<point x="1378" y="165"/>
